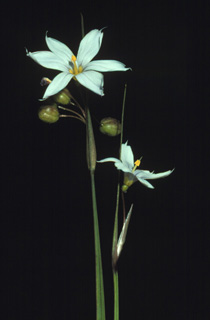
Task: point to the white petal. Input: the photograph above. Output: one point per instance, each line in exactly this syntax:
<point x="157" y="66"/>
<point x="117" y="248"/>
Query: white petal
<point x="120" y="166"/>
<point x="127" y="156"/>
<point x="141" y="173"/>
<point x="89" y="47"/>
<point x="92" y="80"/>
<point x="48" y="59"/>
<point x="59" y="49"/>
<point x="106" y="65"/>
<point x="110" y="159"/>
<point x="57" y="84"/>
<point x="150" y="175"/>
<point x="146" y="183"/>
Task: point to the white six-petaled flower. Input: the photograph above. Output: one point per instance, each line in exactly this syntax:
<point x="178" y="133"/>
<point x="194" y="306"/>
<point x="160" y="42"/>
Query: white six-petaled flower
<point x="128" y="166"/>
<point x="79" y="67"/>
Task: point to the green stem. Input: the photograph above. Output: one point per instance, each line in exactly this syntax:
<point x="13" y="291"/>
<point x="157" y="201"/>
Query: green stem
<point x="114" y="259"/>
<point x="122" y="117"/>
<point x="115" y="232"/>
<point x="91" y="161"/>
<point x="82" y="25"/>
<point x="116" y="295"/>
<point x="100" y="302"/>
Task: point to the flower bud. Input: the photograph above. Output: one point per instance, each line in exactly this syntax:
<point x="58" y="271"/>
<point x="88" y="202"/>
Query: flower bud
<point x="49" y="114"/>
<point x="45" y="81"/>
<point x="63" y="97"/>
<point x="110" y="127"/>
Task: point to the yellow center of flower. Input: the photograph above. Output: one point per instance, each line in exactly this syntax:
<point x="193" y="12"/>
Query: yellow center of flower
<point x="76" y="70"/>
<point x="137" y="164"/>
<point x="130" y="178"/>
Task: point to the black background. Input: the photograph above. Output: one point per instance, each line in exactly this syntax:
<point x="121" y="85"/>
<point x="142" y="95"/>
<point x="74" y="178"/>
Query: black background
<point x="49" y="261"/>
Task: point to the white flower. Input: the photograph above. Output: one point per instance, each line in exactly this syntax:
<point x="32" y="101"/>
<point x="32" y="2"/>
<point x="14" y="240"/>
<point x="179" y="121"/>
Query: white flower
<point x="80" y="68"/>
<point x="128" y="166"/>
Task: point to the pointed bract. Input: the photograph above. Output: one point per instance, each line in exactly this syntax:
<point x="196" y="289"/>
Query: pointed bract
<point x="123" y="233"/>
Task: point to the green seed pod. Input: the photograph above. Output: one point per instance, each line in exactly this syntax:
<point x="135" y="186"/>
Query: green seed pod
<point x="63" y="97"/>
<point x="49" y="114"/>
<point x="110" y="127"/>
<point x="124" y="188"/>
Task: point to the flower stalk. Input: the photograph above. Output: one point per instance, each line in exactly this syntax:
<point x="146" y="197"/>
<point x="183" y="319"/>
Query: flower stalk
<point x="91" y="161"/>
<point x="115" y="232"/>
<point x="76" y="114"/>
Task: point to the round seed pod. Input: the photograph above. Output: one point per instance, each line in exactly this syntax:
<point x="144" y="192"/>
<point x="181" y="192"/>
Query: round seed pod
<point x="110" y="127"/>
<point x="63" y="97"/>
<point x="49" y="114"/>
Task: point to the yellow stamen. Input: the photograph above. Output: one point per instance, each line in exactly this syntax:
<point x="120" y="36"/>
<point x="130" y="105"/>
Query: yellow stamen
<point x="137" y="164"/>
<point x="75" y="70"/>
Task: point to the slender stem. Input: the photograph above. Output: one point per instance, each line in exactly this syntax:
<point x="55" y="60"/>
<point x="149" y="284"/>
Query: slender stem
<point x="68" y="116"/>
<point x="82" y="25"/>
<point x="70" y="110"/>
<point x="116" y="295"/>
<point x="91" y="161"/>
<point x="123" y="204"/>
<point x="79" y="106"/>
<point x="115" y="232"/>
<point x="100" y="302"/>
<point x="114" y="259"/>
<point x="122" y="117"/>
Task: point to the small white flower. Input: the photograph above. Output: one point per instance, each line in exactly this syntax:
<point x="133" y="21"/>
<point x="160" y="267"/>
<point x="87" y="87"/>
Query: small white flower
<point x="128" y="166"/>
<point x="81" y="68"/>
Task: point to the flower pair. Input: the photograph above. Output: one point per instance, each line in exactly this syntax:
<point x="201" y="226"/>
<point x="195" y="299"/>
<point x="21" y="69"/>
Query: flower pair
<point x="129" y="167"/>
<point x="87" y="73"/>
<point x="79" y="67"/>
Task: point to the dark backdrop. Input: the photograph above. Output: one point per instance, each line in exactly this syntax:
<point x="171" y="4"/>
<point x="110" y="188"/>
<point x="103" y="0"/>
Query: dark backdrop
<point x="164" y="268"/>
